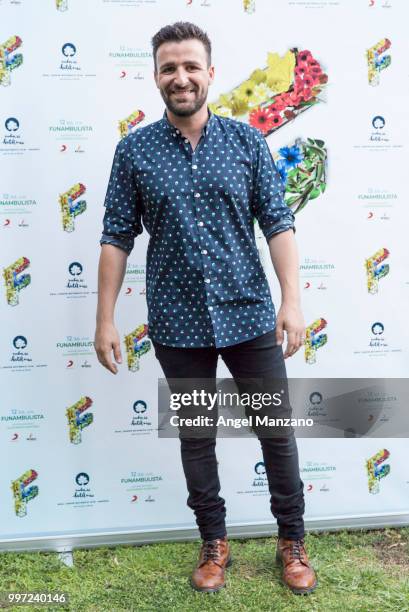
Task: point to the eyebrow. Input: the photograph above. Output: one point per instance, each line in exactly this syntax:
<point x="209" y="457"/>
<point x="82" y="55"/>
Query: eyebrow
<point x="167" y="64"/>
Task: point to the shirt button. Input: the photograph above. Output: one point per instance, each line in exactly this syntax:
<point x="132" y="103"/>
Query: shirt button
<point x="207" y="280"/>
<point x="186" y="140"/>
<point x="210" y="307"/>
<point x="197" y="195"/>
<point x="194" y="167"/>
<point x="204" y="252"/>
<point x="201" y="223"/>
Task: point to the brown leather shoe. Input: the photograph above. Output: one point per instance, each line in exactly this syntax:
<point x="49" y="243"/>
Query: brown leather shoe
<point x="297" y="574"/>
<point x="213" y="559"/>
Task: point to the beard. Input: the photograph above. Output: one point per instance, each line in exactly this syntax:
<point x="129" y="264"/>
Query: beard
<point x="184" y="108"/>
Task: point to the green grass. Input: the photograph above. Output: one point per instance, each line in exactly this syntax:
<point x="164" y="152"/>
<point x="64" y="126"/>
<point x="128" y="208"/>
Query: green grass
<point x="359" y="571"/>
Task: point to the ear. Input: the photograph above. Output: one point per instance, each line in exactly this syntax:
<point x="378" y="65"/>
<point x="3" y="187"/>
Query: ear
<point x="211" y="74"/>
<point x="155" y="76"/>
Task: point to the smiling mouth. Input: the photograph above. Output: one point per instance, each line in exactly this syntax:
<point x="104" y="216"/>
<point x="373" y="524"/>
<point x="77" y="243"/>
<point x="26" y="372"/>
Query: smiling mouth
<point x="183" y="93"/>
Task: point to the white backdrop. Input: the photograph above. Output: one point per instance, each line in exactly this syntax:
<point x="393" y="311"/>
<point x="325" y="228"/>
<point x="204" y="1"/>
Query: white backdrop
<point x="113" y="479"/>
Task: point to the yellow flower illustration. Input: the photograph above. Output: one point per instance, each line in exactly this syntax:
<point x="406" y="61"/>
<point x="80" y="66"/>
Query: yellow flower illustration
<point x="262" y="93"/>
<point x="239" y="105"/>
<point x="246" y="91"/>
<point x="258" y="76"/>
<point x="280" y="71"/>
<point x="222" y="111"/>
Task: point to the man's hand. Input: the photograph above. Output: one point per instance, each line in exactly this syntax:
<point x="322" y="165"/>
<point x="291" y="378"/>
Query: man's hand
<point x="107" y="340"/>
<point x="291" y="320"/>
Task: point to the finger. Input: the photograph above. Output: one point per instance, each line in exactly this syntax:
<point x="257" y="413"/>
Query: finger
<point x="291" y="343"/>
<point x="105" y="359"/>
<point x="279" y="333"/>
<point x="117" y="352"/>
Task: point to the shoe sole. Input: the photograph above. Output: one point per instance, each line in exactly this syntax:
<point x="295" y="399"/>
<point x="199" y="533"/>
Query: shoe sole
<point x="208" y="589"/>
<point x="301" y="591"/>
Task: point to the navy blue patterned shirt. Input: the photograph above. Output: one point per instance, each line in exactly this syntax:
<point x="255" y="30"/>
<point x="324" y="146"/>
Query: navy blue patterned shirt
<point x="205" y="284"/>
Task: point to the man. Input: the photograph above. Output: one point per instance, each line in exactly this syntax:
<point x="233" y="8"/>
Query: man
<point x="197" y="181"/>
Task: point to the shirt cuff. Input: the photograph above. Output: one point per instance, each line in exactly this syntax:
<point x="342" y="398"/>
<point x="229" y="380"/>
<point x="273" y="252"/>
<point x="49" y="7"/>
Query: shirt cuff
<point x="278" y="227"/>
<point x="126" y="244"/>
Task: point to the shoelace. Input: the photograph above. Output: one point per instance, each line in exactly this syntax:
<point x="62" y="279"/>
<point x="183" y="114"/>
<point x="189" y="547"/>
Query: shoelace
<point x="296" y="549"/>
<point x="211" y="550"/>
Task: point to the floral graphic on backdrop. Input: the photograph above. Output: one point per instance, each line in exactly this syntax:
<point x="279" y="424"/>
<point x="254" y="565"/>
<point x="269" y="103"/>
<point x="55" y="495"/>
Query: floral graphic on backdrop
<point x="302" y="167"/>
<point x="277" y="94"/>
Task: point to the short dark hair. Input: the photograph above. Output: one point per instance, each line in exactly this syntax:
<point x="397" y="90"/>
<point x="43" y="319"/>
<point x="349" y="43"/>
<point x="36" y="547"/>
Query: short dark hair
<point x="181" y="30"/>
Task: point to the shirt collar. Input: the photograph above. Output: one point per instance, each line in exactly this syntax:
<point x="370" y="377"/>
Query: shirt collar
<point x="207" y="128"/>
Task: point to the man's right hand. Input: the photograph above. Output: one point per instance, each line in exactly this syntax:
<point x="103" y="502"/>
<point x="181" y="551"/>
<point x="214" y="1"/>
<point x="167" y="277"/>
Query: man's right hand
<point x="107" y="340"/>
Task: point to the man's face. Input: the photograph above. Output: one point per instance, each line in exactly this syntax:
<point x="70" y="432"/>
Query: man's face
<point x="183" y="76"/>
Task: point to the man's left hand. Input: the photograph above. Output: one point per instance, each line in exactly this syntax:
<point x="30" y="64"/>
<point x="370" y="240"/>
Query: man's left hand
<point x="291" y="320"/>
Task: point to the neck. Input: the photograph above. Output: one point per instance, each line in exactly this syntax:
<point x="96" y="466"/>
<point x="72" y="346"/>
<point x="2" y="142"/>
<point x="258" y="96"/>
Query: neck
<point x="192" y="124"/>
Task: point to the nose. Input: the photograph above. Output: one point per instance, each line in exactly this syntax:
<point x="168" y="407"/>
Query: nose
<point x="181" y="78"/>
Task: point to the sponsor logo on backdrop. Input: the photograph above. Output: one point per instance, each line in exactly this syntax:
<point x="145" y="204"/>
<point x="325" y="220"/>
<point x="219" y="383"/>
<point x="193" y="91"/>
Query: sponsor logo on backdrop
<point x="129" y="124"/>
<point x="15" y="281"/>
<point x="139" y="421"/>
<point x="131" y="62"/>
<point x="314" y="340"/>
<point x="316" y="273"/>
<point x="83" y="495"/>
<point x="378" y="60"/>
<point x="69" y="61"/>
<point x="376" y="469"/>
<point x="77" y="420"/>
<point x="376" y="270"/>
<point x="9" y="59"/>
<point x="379" y="138"/>
<point x="20" y="423"/>
<point x="61" y="5"/>
<point x="12" y="206"/>
<point x="317" y="470"/>
<point x="135" y="275"/>
<point x="379" y="133"/>
<point x="380" y="3"/>
<point x="129" y="3"/>
<point x="75" y="280"/>
<point x="259" y="483"/>
<point x="379" y="204"/>
<point x="76" y="285"/>
<point x="313" y="4"/>
<point x="23" y="493"/>
<point x="315" y="407"/>
<point x="196" y="3"/>
<point x="13" y="142"/>
<point x="136" y="482"/>
<point x="137" y="345"/>
<point x="12" y="136"/>
<point x="378" y="343"/>
<point x="76" y="346"/>
<point x="372" y="400"/>
<point x="69" y="66"/>
<point x="70" y="135"/>
<point x="71" y="206"/>
<point x="20" y="359"/>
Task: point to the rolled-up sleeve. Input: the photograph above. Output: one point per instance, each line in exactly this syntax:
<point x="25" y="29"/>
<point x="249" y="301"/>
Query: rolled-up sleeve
<point x="268" y="204"/>
<point x="122" y="220"/>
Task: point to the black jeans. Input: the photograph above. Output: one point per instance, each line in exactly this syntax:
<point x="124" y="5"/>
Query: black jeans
<point x="258" y="357"/>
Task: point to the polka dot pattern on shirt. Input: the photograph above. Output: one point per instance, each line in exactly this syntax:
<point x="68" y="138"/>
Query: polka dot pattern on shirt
<point x="205" y="285"/>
